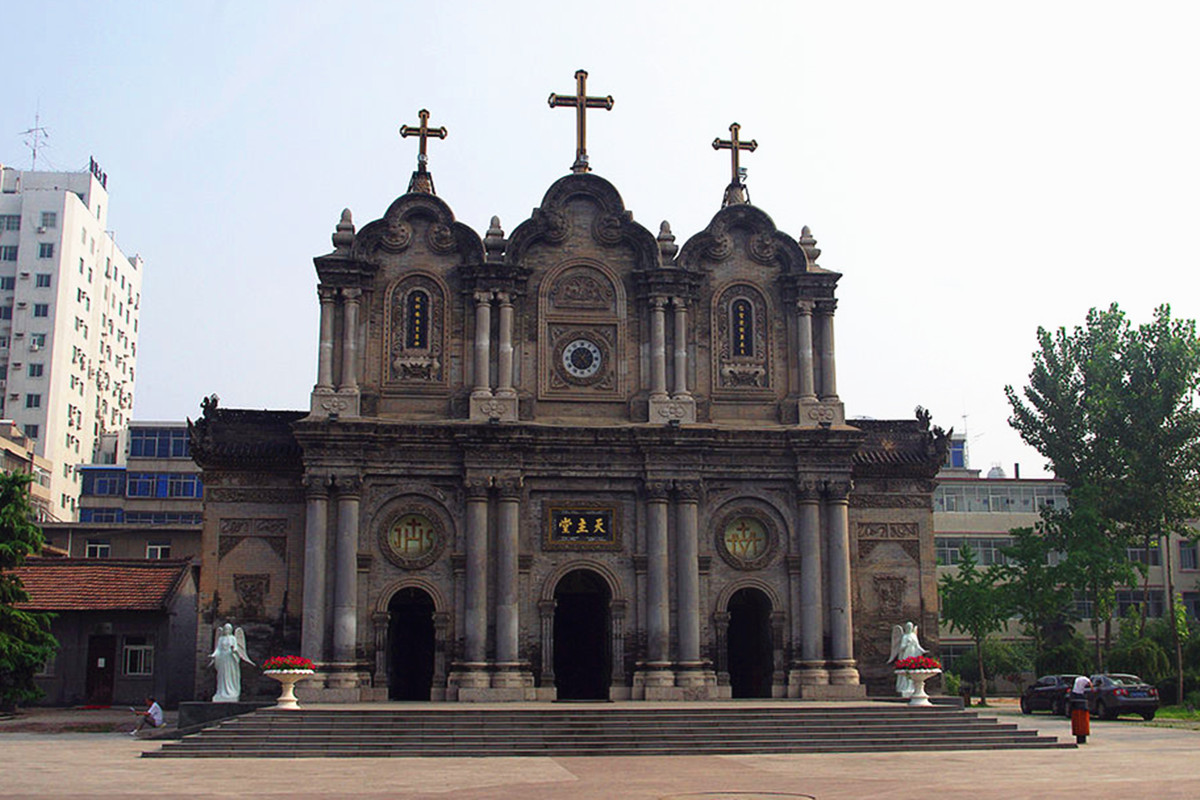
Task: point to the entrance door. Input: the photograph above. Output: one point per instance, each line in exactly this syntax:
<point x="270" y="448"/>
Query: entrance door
<point x="751" y="664"/>
<point x="101" y="670"/>
<point x="582" y="659"/>
<point x="410" y="645"/>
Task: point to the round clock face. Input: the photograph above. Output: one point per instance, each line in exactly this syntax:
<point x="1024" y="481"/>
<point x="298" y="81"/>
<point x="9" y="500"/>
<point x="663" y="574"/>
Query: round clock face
<point x="581" y="358"/>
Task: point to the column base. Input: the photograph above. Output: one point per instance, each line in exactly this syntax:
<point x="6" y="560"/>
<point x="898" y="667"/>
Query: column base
<point x="336" y="682"/>
<point x="486" y="407"/>
<point x="655" y="681"/>
<point x="814" y="413"/>
<point x="843" y="673"/>
<point x="681" y="409"/>
<point x="515" y="675"/>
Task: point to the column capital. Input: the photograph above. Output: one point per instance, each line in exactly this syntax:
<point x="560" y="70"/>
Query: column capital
<point x="680" y="303"/>
<point x="658" y="302"/>
<point x="351" y="294"/>
<point x="826" y="305"/>
<point x="808" y="490"/>
<point x="504" y="298"/>
<point x="657" y="490"/>
<point x="316" y="484"/>
<point x="804" y="305"/>
<point x="509" y="487"/>
<point x="326" y="293"/>
<point x="546" y="608"/>
<point x="689" y="491"/>
<point x="380" y="617"/>
<point x="348" y="485"/>
<point x="838" y="490"/>
<point x="477" y="487"/>
<point x="483" y="297"/>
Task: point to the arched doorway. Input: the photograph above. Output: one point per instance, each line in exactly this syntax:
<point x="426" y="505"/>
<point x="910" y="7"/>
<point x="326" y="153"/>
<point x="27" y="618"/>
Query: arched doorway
<point x="751" y="663"/>
<point x="582" y="657"/>
<point x="410" y="645"/>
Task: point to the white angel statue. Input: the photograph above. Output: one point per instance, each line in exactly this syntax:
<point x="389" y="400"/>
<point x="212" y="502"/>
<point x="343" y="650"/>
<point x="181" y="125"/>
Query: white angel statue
<point x="228" y="651"/>
<point x="905" y="644"/>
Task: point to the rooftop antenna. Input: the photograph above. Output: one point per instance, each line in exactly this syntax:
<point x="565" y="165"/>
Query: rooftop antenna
<point x="35" y="135"/>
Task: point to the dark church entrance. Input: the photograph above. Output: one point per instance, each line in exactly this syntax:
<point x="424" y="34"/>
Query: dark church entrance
<point x="410" y="645"/>
<point x="750" y="650"/>
<point x="582" y="661"/>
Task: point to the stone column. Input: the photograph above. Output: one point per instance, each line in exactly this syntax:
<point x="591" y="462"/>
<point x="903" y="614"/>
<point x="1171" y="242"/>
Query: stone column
<point x="441" y="639"/>
<point x="379" y="621"/>
<point x="475" y="622"/>
<point x="721" y="646"/>
<point x="658" y="349"/>
<point x="350" y="299"/>
<point x="804" y="309"/>
<point x="546" y="617"/>
<point x="316" y="521"/>
<point x="687" y="578"/>
<point x="345" y="588"/>
<point x="841" y="623"/>
<point x="681" y="353"/>
<point x="825" y="311"/>
<point x="504" y="382"/>
<point x="658" y="577"/>
<point x="325" y="349"/>
<point x="507" y="546"/>
<point x="812" y="613"/>
<point x="617" y="612"/>
<point x="483" y="344"/>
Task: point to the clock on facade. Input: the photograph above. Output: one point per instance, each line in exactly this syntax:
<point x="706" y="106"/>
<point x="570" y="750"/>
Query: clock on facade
<point x="581" y="358"/>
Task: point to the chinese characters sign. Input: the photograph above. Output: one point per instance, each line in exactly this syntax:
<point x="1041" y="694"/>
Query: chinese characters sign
<point x="584" y="527"/>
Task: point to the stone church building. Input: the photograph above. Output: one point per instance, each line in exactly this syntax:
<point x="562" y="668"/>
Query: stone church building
<point x="575" y="461"/>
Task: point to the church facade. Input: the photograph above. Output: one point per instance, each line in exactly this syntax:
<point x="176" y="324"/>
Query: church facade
<point x="578" y="460"/>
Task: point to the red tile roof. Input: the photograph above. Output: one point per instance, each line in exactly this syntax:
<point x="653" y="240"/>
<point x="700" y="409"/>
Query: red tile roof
<point x="90" y="584"/>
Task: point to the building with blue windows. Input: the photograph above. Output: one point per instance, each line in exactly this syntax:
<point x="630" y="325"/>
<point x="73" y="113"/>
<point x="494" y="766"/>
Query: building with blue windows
<point x="144" y="500"/>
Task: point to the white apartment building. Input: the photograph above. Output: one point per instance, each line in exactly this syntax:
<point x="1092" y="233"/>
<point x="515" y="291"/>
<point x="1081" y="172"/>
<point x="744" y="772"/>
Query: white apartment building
<point x="69" y="301"/>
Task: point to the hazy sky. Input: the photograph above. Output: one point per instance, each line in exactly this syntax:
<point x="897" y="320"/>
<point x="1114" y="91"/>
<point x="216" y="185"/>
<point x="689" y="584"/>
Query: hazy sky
<point x="973" y="171"/>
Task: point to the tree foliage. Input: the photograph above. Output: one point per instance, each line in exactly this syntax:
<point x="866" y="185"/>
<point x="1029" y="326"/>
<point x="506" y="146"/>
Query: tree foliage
<point x="1112" y="408"/>
<point x="974" y="603"/>
<point x="1036" y="591"/>
<point x="25" y="640"/>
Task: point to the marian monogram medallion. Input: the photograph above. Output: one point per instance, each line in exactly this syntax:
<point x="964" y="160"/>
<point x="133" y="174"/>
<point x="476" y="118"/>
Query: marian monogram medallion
<point x="412" y="539"/>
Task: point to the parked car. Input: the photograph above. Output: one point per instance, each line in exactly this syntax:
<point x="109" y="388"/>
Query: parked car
<point x="1115" y="694"/>
<point x="1048" y="693"/>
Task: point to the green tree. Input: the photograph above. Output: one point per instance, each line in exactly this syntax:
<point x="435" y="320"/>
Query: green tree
<point x="1094" y="560"/>
<point x="1036" y="590"/>
<point x="25" y="640"/>
<point x="1112" y="407"/>
<point x="974" y="603"/>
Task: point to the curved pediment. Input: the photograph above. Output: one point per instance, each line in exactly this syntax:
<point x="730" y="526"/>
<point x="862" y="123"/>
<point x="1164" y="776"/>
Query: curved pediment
<point x="610" y="225"/>
<point x="417" y="220"/>
<point x="751" y="230"/>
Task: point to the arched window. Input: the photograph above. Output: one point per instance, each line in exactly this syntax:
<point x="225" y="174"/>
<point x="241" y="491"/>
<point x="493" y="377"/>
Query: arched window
<point x="416" y="335"/>
<point x="741" y="324"/>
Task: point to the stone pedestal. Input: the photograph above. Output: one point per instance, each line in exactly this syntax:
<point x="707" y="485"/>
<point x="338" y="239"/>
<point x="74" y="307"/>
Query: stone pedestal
<point x="667" y="409"/>
<point x="500" y="408"/>
<point x="815" y="413"/>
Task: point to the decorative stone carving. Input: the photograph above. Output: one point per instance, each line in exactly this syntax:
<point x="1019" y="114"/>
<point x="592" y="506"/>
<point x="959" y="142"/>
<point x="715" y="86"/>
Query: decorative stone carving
<point x="888" y="530"/>
<point x="583" y="289"/>
<point x="413" y="535"/>
<point x="553" y="223"/>
<point x="607" y="229"/>
<point x="746" y="537"/>
<point x="742" y="351"/>
<point x="720" y="247"/>
<point x="440" y="238"/>
<point x="396" y="237"/>
<point x="414" y="321"/>
<point x="763" y="248"/>
<point x="889" y="591"/>
<point x="251" y="591"/>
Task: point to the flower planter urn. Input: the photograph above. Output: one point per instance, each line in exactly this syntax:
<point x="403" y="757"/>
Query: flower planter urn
<point x="918" y="678"/>
<point x="289" y="678"/>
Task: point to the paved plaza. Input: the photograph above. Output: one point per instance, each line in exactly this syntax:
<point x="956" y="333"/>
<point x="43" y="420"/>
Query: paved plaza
<point x="1122" y="759"/>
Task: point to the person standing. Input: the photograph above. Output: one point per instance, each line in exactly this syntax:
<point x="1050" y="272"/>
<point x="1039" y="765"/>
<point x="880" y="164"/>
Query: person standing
<point x="1080" y="719"/>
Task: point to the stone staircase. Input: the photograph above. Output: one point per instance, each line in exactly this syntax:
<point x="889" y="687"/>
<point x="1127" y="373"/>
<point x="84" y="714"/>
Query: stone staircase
<point x="600" y="731"/>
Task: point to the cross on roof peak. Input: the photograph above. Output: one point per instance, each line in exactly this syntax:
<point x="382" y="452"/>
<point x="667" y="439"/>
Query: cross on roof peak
<point x="581" y="103"/>
<point x="735" y="192"/>
<point x="421" y="180"/>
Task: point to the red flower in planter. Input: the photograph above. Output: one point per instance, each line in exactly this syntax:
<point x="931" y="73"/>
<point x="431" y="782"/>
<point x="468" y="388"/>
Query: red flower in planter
<point x="288" y="663"/>
<point x="917" y="662"/>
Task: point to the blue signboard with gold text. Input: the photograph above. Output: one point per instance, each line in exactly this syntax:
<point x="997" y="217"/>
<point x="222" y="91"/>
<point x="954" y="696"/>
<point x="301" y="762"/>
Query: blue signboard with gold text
<point x="583" y="526"/>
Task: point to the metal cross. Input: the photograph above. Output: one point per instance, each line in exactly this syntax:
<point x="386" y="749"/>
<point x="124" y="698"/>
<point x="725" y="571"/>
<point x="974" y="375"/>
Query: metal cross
<point x="735" y="145"/>
<point x="581" y="102"/>
<point x="423" y="131"/>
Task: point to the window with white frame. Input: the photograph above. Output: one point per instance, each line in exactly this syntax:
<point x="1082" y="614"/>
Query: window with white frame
<point x="158" y="550"/>
<point x="1188" y="555"/>
<point x="49" y="219"/>
<point x="46" y="250"/>
<point x="138" y="656"/>
<point x="97" y="548"/>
